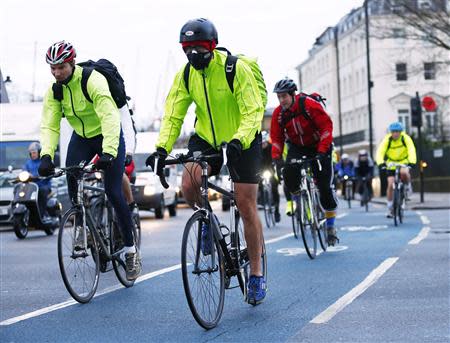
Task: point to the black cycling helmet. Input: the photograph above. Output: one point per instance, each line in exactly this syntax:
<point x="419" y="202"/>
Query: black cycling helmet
<point x="199" y="29"/>
<point x="285" y="86"/>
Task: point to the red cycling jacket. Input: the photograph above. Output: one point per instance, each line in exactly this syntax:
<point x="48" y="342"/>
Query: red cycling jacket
<point x="129" y="169"/>
<point x="315" y="133"/>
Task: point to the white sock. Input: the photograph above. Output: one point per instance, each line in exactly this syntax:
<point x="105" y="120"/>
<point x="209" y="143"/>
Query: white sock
<point x="131" y="249"/>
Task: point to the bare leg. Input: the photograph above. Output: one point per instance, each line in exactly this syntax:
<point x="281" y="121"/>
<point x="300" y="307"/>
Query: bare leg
<point x="126" y="189"/>
<point x="246" y="195"/>
<point x="389" y="190"/>
<point x="191" y="183"/>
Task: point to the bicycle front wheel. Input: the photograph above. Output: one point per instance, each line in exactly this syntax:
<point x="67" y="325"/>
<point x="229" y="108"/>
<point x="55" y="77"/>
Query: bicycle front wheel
<point x="309" y="233"/>
<point x="78" y="257"/>
<point x="203" y="271"/>
<point x="268" y="210"/>
<point x="295" y="215"/>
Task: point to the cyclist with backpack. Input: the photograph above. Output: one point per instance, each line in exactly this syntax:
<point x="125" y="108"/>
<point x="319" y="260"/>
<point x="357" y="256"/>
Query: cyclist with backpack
<point x="301" y="121"/>
<point x="396" y="147"/>
<point x="229" y="108"/>
<point x="82" y="95"/>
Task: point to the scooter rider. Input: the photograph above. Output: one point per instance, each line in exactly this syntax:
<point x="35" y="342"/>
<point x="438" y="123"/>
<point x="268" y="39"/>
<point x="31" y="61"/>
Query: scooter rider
<point x="32" y="166"/>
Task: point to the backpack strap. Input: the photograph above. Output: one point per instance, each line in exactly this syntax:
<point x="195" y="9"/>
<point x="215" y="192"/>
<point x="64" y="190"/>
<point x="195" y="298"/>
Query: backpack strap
<point x="186" y="71"/>
<point x="84" y="79"/>
<point x="230" y="70"/>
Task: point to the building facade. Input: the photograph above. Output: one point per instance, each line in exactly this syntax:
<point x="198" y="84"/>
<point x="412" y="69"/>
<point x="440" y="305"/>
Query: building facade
<point x="400" y="67"/>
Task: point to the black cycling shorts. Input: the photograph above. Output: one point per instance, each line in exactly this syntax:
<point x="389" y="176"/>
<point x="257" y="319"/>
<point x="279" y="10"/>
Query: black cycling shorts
<point x="246" y="170"/>
<point x="390" y="172"/>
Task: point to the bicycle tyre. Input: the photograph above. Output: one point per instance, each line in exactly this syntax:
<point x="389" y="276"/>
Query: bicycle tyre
<point x="67" y="222"/>
<point x="395" y="206"/>
<point x="365" y="197"/>
<point x="189" y="246"/>
<point x="320" y="223"/>
<point x="309" y="234"/>
<point x="401" y="204"/>
<point x="240" y="245"/>
<point x="295" y="217"/>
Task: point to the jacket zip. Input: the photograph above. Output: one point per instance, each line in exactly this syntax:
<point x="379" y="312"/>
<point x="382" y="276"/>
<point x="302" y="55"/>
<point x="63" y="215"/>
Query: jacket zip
<point x="74" y="113"/>
<point x="209" y="111"/>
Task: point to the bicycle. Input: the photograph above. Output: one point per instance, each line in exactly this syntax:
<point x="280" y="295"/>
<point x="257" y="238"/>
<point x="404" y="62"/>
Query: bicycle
<point x="267" y="198"/>
<point x="89" y="237"/>
<point x="348" y="189"/>
<point x="365" y="195"/>
<point x="399" y="198"/>
<point x="307" y="218"/>
<point x="212" y="253"/>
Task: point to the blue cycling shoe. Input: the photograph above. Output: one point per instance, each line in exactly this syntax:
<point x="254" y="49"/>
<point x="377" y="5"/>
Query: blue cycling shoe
<point x="256" y="291"/>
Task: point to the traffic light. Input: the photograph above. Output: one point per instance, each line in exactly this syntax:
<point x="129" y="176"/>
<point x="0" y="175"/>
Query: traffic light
<point x="416" y="112"/>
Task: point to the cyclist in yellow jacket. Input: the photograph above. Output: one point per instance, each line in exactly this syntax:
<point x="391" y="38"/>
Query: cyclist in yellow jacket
<point x="396" y="147"/>
<point x="222" y="115"/>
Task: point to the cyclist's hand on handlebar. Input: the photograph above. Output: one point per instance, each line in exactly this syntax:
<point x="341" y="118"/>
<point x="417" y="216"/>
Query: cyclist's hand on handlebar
<point x="104" y="162"/>
<point x="161" y="155"/>
<point x="234" y="150"/>
<point x="320" y="156"/>
<point x="382" y="166"/>
<point x="128" y="159"/>
<point x="411" y="165"/>
<point x="278" y="167"/>
<point x="46" y="168"/>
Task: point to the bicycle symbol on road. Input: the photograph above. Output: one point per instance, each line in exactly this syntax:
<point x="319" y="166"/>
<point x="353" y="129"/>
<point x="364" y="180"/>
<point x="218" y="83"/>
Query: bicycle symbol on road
<point x="299" y="251"/>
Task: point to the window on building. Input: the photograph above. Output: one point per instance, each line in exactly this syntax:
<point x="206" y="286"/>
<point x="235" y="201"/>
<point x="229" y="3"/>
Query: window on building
<point x="401" y="72"/>
<point x="431" y="123"/>
<point x="403" y="117"/>
<point x="429" y="71"/>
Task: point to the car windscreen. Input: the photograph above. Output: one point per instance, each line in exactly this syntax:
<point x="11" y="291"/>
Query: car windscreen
<point x="13" y="154"/>
<point x="139" y="162"/>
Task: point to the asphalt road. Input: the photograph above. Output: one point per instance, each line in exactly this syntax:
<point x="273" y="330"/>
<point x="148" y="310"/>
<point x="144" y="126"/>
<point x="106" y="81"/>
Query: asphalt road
<point x="382" y="284"/>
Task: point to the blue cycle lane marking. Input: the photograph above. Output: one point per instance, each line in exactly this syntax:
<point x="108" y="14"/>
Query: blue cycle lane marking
<point x="299" y="289"/>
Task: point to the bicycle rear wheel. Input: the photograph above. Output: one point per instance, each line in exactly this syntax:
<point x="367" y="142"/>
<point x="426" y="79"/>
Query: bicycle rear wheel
<point x="309" y="234"/>
<point x="395" y="206"/>
<point x="240" y="244"/>
<point x="203" y="272"/>
<point x="401" y="204"/>
<point x="78" y="257"/>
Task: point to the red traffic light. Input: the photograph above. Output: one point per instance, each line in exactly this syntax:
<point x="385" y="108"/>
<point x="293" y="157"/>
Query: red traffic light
<point x="429" y="104"/>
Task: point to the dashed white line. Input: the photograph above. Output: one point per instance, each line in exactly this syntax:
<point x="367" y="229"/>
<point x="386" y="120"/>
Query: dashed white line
<point x="347" y="299"/>
<point x="341" y="215"/>
<point x="422" y="235"/>
<point x="73" y="302"/>
<point x="424" y="220"/>
<point x="276" y="239"/>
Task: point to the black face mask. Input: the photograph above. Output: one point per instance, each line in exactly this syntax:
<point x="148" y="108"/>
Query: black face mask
<point x="199" y="60"/>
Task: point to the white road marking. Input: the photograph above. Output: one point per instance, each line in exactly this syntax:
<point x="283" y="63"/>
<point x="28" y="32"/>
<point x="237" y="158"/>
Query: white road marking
<point x="422" y="235"/>
<point x="363" y="228"/>
<point x="341" y="215"/>
<point x="298" y="251"/>
<point x="348" y="298"/>
<point x="68" y="303"/>
<point x="276" y="239"/>
<point x="424" y="220"/>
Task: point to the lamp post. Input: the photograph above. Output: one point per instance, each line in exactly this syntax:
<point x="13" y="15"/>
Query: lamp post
<point x="369" y="81"/>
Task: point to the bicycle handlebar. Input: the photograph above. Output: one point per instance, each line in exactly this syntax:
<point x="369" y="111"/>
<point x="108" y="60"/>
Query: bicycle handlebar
<point x="305" y="160"/>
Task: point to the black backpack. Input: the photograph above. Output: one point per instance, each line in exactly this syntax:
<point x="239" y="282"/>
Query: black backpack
<point x="109" y="71"/>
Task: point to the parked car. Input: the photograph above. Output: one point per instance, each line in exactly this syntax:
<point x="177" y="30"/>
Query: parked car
<point x="148" y="192"/>
<point x="6" y="195"/>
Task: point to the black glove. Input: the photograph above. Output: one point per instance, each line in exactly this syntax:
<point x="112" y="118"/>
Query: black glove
<point x="128" y="160"/>
<point x="320" y="156"/>
<point x="46" y="168"/>
<point x="382" y="166"/>
<point x="411" y="165"/>
<point x="278" y="167"/>
<point x="234" y="150"/>
<point x="105" y="161"/>
<point x="161" y="154"/>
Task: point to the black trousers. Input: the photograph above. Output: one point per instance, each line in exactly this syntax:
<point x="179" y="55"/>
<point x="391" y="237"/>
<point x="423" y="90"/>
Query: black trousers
<point x="324" y="177"/>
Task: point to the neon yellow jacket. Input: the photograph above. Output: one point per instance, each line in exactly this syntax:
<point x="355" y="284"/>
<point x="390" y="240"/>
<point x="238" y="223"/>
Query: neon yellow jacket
<point x="87" y="119"/>
<point x="237" y="115"/>
<point x="397" y="151"/>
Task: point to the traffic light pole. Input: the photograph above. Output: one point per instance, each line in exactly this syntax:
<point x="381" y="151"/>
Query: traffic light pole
<point x="419" y="131"/>
<point x="416" y="118"/>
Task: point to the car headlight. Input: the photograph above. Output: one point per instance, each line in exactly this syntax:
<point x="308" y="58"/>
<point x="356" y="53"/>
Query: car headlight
<point x="24" y="176"/>
<point x="345" y="177"/>
<point x="149" y="190"/>
<point x="267" y="174"/>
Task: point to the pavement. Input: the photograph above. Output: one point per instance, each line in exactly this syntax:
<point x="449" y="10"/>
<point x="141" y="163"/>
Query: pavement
<point x="432" y="201"/>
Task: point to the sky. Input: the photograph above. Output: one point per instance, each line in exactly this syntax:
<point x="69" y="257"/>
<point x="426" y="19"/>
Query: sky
<point x="141" y="38"/>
